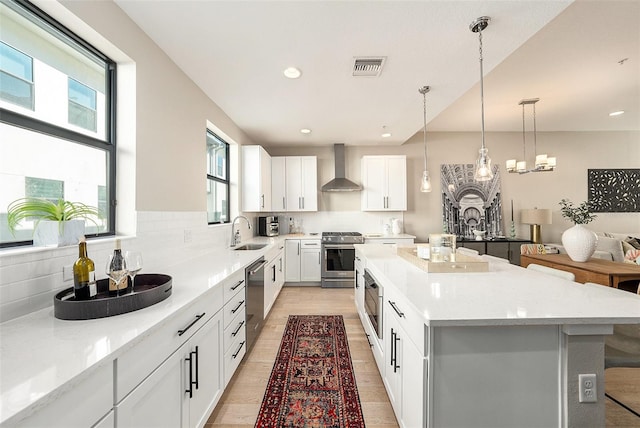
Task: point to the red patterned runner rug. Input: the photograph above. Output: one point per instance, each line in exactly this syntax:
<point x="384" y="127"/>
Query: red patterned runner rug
<point x="312" y="382"/>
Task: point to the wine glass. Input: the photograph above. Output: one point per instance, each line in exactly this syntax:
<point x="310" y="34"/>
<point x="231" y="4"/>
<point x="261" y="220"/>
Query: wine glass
<point x="134" y="264"/>
<point x="116" y="270"/>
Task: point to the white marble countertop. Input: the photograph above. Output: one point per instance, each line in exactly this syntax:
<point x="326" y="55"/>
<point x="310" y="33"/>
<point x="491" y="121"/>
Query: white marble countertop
<point x="40" y="354"/>
<point x="373" y="235"/>
<point x="506" y="295"/>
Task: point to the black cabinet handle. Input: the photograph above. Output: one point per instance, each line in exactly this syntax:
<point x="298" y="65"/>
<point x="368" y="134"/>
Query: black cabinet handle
<point x="393" y="344"/>
<point x="395" y="354"/>
<point x="395" y="308"/>
<point x="190" y="390"/>
<point x="238" y="351"/>
<point x="273" y="273"/>
<point x="184" y="330"/>
<point x="237" y="330"/>
<point x="237" y="285"/>
<point x="370" y="344"/>
<point x="234" y="310"/>
<point x="195" y="353"/>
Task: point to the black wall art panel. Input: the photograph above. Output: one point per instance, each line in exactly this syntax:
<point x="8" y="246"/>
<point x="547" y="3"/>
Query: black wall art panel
<point x="614" y="190"/>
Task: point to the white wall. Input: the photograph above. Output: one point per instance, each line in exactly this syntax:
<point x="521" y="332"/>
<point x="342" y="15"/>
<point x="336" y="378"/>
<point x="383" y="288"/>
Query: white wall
<point x="576" y="152"/>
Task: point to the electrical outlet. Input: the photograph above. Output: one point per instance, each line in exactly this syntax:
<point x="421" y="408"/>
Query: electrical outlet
<point x="67" y="273"/>
<point x="587" y="391"/>
<point x="187" y="235"/>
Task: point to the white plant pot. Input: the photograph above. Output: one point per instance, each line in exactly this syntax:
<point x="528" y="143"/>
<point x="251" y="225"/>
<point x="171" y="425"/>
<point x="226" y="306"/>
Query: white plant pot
<point x="579" y="242"/>
<point x="53" y="234"/>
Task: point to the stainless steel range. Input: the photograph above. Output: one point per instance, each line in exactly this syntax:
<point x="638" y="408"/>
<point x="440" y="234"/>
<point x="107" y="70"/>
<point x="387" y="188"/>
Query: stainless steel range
<point x="338" y="258"/>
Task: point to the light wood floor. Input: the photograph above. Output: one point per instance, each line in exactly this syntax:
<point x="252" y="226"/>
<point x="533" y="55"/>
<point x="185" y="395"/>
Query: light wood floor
<point x="239" y="406"/>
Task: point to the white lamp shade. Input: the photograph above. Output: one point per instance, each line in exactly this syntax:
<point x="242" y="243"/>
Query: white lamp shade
<point x="535" y="216"/>
<point x="521" y="166"/>
<point x="551" y="162"/>
<point x="541" y="160"/>
<point x="511" y="165"/>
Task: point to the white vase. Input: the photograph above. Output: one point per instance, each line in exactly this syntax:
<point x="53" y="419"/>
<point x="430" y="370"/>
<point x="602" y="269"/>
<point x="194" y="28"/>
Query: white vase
<point x="53" y="234"/>
<point x="579" y="242"/>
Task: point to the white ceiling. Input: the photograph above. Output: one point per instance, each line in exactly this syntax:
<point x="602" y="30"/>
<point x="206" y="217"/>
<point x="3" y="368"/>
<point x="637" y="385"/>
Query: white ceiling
<point x="564" y="53"/>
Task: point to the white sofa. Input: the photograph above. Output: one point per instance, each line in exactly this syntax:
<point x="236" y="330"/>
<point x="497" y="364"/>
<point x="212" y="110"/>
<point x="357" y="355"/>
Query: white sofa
<point x="611" y="246"/>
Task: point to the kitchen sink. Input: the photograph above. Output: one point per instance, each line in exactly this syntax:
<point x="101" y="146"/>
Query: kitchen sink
<point x="250" y="247"/>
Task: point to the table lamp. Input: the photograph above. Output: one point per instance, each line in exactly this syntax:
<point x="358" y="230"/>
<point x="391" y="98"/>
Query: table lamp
<point x="535" y="218"/>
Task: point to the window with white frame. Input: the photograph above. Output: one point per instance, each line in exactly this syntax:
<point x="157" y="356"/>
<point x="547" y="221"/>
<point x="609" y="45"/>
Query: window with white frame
<point x="217" y="179"/>
<point x="57" y="104"/>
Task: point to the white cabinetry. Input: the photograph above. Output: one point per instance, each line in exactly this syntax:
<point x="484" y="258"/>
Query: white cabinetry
<point x="273" y="276"/>
<point x="256" y="179"/>
<point x="278" y="183"/>
<point x="310" y="260"/>
<point x="234" y="319"/>
<point x="175" y="376"/>
<point x="404" y="375"/>
<point x="302" y="260"/>
<point x="184" y="389"/>
<point x="294" y="182"/>
<point x="292" y="256"/>
<point x="384" y="180"/>
<point x="83" y="405"/>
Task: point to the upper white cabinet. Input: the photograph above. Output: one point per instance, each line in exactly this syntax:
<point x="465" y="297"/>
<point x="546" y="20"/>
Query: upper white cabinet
<point x="294" y="183"/>
<point x="384" y="180"/>
<point x="256" y="179"/>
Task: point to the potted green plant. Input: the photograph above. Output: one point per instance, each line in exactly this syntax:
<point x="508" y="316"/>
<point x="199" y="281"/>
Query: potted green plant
<point x="579" y="242"/>
<point x="56" y="223"/>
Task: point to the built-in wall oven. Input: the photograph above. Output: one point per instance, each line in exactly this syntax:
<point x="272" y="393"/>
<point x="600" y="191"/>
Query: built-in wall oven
<point x="373" y="302"/>
<point x="338" y="256"/>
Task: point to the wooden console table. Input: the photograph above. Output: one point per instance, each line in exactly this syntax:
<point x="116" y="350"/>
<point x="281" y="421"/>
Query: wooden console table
<point x="600" y="271"/>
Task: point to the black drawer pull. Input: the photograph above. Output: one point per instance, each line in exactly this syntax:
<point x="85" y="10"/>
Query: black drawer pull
<point x="184" y="330"/>
<point x="234" y="310"/>
<point x="237" y="285"/>
<point x="395" y="308"/>
<point x="238" y="351"/>
<point x="370" y="344"/>
<point x="237" y="330"/>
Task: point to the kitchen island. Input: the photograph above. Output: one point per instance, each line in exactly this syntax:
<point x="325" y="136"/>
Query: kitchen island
<point x="501" y="348"/>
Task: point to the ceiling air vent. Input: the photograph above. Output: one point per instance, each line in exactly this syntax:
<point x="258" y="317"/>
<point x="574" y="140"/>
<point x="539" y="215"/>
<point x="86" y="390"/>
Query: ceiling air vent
<point x="368" y="66"/>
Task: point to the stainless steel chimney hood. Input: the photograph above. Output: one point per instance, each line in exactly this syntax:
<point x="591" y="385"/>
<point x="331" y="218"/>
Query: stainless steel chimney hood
<point x="340" y="183"/>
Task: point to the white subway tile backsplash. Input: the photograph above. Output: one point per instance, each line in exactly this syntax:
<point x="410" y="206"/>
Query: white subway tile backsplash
<point x="30" y="277"/>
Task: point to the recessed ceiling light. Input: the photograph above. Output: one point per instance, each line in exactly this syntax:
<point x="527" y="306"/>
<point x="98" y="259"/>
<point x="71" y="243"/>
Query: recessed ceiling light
<point x="305" y="131"/>
<point x="292" y="72"/>
<point x="386" y="134"/>
<point x="616" y="113"/>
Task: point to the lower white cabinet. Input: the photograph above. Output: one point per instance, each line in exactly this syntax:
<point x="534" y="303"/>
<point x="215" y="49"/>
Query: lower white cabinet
<point x="292" y="256"/>
<point x="204" y="373"/>
<point x="184" y="389"/>
<point x="274" y="276"/>
<point x="405" y="365"/>
<point x="310" y="260"/>
<point x="83" y="405"/>
<point x="159" y="400"/>
<point x="302" y="260"/>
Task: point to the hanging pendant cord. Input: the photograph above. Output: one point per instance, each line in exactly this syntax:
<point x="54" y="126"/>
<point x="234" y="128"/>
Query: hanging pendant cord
<point x="524" y="147"/>
<point x="424" y="97"/>
<point x="481" y="89"/>
<point x="535" y="133"/>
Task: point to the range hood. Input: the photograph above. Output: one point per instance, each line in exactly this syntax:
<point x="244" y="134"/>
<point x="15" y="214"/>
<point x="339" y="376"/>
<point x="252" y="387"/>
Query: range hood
<point x="340" y="183"/>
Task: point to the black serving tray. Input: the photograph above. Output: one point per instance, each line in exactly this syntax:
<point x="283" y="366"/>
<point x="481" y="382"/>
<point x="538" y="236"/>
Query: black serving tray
<point x="149" y="289"/>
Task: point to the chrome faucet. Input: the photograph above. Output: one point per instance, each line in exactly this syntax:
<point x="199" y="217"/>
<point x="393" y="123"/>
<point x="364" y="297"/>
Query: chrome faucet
<point x="235" y="234"/>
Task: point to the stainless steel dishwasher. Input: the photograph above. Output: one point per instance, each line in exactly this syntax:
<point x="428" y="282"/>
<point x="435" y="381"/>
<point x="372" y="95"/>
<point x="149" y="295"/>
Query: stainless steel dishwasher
<point x="254" y="280"/>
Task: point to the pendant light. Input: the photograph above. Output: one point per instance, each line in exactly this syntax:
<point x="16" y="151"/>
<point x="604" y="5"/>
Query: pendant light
<point x="425" y="183"/>
<point x="542" y="162"/>
<point x="483" y="164"/>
